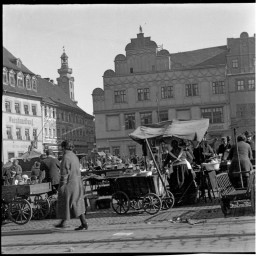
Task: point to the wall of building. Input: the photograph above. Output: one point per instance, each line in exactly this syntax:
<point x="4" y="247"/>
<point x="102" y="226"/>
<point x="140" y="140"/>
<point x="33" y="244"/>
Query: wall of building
<point x="22" y="121"/>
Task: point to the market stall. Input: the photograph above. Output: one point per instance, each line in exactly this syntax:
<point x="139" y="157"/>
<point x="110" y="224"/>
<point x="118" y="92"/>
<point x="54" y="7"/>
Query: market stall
<point x="192" y="130"/>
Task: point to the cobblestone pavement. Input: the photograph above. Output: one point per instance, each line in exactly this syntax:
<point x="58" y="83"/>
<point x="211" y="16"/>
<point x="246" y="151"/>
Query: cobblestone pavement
<point x="195" y="228"/>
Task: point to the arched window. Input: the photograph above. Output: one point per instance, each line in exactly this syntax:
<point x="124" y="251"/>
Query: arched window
<point x="12" y="78"/>
<point x="5" y="76"/>
<point x="20" y="79"/>
<point x="28" y="82"/>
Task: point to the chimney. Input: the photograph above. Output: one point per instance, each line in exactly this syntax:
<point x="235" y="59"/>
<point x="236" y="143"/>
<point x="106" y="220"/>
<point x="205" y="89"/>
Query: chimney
<point x="38" y="76"/>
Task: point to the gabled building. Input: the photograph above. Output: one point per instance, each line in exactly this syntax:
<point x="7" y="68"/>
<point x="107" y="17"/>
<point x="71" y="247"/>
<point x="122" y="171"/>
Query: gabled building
<point x="36" y="110"/>
<point x="149" y="85"/>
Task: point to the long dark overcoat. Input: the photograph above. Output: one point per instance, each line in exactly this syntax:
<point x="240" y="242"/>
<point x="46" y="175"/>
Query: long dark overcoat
<point x="70" y="193"/>
<point x="245" y="154"/>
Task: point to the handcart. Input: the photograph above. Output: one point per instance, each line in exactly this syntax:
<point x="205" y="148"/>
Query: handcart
<point x="139" y="192"/>
<point x="20" y="203"/>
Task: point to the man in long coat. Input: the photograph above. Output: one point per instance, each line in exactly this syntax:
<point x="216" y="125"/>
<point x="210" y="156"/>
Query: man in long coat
<point x="70" y="194"/>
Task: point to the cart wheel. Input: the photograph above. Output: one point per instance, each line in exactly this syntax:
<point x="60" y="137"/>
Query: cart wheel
<point x="168" y="201"/>
<point x="152" y="203"/>
<point x="136" y="204"/>
<point x="41" y="208"/>
<point x="19" y="211"/>
<point x="120" y="202"/>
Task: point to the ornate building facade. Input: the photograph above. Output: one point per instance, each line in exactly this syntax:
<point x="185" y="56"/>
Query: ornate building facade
<point x="34" y="109"/>
<point x="151" y="85"/>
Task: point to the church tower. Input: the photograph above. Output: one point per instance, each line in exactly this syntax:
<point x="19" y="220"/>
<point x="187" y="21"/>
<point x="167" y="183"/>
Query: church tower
<point x="66" y="81"/>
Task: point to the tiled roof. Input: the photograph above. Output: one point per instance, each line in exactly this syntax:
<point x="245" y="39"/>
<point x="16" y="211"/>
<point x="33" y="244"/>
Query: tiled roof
<point x="9" y="62"/>
<point x="192" y="58"/>
<point x="49" y="92"/>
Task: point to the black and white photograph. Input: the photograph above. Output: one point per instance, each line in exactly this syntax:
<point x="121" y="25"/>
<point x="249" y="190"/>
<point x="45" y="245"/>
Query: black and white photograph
<point x="128" y="128"/>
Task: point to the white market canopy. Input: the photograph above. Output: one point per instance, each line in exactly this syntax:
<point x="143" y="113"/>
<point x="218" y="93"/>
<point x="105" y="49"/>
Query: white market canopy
<point x="193" y="130"/>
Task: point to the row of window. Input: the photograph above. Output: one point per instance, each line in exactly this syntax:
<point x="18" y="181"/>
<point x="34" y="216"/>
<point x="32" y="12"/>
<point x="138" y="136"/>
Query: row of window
<point x="235" y="63"/>
<point x="51" y="133"/>
<point x="243" y="85"/>
<point x="167" y="92"/>
<point x="18" y="107"/>
<point x="48" y="111"/>
<point x="215" y="115"/>
<point x="19" y="79"/>
<point x="26" y="134"/>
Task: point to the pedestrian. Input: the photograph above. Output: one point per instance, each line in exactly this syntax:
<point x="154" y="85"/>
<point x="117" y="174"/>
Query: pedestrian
<point x="51" y="168"/>
<point x="240" y="156"/>
<point x="71" y="193"/>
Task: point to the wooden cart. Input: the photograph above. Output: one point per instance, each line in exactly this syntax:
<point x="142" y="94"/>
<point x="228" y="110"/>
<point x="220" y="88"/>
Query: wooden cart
<point x="140" y="192"/>
<point x="20" y="203"/>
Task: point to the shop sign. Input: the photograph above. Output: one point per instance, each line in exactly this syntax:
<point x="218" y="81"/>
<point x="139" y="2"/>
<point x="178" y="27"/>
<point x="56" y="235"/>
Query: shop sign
<point x="20" y="120"/>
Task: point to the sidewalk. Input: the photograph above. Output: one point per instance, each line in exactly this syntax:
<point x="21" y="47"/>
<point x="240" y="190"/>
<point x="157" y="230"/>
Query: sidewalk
<point x="209" y="212"/>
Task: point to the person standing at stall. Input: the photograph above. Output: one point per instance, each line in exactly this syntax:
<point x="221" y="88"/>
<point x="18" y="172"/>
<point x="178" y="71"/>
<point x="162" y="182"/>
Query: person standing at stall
<point x="50" y="169"/>
<point x="240" y="156"/>
<point x="71" y="192"/>
<point x="250" y="142"/>
<point x="224" y="148"/>
<point x="202" y="152"/>
<point x="181" y="173"/>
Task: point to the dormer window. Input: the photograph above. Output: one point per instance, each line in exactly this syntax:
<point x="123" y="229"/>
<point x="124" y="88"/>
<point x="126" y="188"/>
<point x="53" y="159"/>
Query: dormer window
<point x="5" y="76"/>
<point x="28" y="82"/>
<point x="11" y="78"/>
<point x="20" y="80"/>
<point x="34" y="84"/>
<point x="18" y="63"/>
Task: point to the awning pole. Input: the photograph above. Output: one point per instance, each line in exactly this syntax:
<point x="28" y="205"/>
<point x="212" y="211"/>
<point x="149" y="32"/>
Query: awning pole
<point x="157" y="167"/>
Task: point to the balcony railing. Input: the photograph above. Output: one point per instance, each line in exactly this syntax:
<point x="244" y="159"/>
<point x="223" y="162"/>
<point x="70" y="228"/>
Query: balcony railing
<point x="9" y="137"/>
<point x="27" y="137"/>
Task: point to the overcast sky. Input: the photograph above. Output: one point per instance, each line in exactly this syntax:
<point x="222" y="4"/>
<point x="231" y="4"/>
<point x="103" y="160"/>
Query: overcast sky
<point x="94" y="34"/>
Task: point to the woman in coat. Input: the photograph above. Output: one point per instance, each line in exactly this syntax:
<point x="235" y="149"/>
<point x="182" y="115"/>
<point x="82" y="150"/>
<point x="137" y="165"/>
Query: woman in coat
<point x="244" y="155"/>
<point x="70" y="193"/>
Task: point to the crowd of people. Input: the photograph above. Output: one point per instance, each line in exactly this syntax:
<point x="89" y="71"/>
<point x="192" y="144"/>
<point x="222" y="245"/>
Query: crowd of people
<point x="177" y="163"/>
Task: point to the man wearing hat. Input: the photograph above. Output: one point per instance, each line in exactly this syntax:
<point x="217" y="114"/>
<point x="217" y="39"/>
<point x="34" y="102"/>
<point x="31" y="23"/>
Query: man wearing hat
<point x="51" y="166"/>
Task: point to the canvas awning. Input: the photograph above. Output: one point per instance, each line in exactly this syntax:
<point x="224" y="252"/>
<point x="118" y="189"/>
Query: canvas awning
<point x="193" y="130"/>
<point x="30" y="154"/>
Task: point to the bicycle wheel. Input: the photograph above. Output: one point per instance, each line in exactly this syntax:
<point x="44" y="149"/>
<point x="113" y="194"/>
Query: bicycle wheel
<point x="152" y="203"/>
<point x="19" y="211"/>
<point x="120" y="202"/>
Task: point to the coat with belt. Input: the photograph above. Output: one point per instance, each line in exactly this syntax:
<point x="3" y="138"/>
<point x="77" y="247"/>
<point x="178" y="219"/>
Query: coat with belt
<point x="70" y="193"/>
<point x="244" y="155"/>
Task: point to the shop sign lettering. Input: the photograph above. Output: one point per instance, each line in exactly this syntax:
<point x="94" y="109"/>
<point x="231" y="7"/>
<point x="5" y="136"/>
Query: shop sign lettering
<point x="20" y="121"/>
